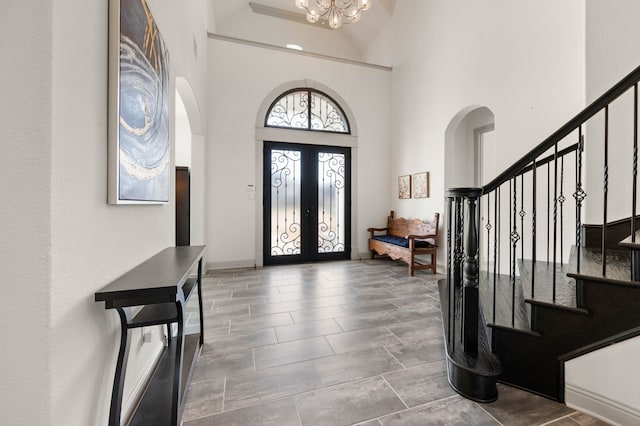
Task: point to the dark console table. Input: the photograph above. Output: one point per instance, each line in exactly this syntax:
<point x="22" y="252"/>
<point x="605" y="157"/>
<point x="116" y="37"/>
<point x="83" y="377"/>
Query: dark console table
<point x="161" y="286"/>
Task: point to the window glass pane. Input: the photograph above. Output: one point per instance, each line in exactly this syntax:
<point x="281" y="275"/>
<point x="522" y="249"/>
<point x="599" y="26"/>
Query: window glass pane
<point x="331" y="202"/>
<point x="325" y="115"/>
<point x="290" y="111"/>
<point x="293" y="109"/>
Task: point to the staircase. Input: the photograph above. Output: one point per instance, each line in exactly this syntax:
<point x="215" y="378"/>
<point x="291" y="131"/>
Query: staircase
<point x="529" y="286"/>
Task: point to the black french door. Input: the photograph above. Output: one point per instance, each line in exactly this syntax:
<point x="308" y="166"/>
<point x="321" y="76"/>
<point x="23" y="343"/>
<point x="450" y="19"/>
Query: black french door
<point x="307" y="203"/>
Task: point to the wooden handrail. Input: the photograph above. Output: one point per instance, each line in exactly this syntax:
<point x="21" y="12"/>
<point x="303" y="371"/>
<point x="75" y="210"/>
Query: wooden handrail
<point x="596" y="106"/>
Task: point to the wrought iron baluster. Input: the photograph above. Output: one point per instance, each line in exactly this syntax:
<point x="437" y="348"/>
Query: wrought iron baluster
<point x="488" y="228"/>
<point x="635" y="255"/>
<point x="561" y="200"/>
<point x="533" y="228"/>
<point x="635" y="163"/>
<point x="450" y="251"/>
<point x="495" y="250"/>
<point x="548" y="211"/>
<point x="579" y="196"/>
<point x="461" y="265"/>
<point x="555" y="218"/>
<point x="515" y="237"/>
<point x="499" y="225"/>
<point x="522" y="214"/>
<point x="605" y="190"/>
<point x="512" y="219"/>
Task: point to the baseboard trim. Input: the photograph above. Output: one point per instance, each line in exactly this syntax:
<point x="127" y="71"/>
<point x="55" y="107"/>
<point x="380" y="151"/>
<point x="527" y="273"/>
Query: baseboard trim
<point x="600" y="406"/>
<point x="248" y="263"/>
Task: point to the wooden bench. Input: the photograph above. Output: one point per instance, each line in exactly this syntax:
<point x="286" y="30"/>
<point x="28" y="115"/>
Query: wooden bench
<point x="404" y="239"/>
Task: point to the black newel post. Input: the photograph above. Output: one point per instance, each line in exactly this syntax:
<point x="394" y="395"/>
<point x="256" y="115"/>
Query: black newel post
<point x="466" y="229"/>
<point x="470" y="279"/>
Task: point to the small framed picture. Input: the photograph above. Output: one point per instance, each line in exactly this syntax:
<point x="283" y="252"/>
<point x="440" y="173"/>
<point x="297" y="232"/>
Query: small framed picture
<point x="420" y="185"/>
<point x="404" y="187"/>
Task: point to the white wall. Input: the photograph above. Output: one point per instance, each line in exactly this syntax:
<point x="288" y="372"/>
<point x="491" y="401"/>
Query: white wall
<point x="602" y="382"/>
<point x="523" y="60"/>
<point x="25" y="122"/>
<point x="241" y="77"/>
<point x="612" y="39"/>
<point x="61" y="241"/>
<point x="182" y="134"/>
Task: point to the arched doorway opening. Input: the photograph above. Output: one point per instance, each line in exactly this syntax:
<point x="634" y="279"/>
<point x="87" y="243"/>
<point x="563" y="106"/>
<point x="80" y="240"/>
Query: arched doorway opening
<point x="471" y="154"/>
<point x="189" y="163"/>
<point x="470" y="148"/>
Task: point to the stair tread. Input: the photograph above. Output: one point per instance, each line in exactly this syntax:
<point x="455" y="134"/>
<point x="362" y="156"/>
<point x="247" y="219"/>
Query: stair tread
<point x="630" y="243"/>
<point x="504" y="296"/>
<point x="565" y="294"/>
<point x="618" y="264"/>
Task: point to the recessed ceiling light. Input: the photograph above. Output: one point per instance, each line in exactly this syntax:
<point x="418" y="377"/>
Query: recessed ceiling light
<point x="294" y="46"/>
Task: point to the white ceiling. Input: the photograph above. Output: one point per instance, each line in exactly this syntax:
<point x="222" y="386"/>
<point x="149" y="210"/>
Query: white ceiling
<point x="236" y="18"/>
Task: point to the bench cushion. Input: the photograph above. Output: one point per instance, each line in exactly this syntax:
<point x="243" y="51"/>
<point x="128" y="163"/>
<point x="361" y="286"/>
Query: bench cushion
<point x="401" y="241"/>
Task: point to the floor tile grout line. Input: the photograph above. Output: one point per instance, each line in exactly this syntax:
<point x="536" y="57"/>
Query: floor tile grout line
<point x="295" y="403"/>
<point x="418" y="407"/>
<point x="320" y="388"/>
<point x="224" y="393"/>
<point x="488" y="413"/>
<point x="329" y="343"/>
<point x="394" y="391"/>
<point x="392" y="356"/>
<point x="560" y="418"/>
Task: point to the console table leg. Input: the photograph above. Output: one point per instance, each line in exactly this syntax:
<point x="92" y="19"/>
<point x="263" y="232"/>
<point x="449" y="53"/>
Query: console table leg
<point x="177" y="369"/>
<point x="200" y="302"/>
<point x="121" y="368"/>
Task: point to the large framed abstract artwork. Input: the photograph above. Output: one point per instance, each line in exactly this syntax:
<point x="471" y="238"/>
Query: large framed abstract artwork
<point x="139" y="146"/>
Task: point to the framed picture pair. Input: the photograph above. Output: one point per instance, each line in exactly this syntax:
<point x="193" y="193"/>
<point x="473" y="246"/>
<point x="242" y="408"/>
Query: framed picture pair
<point x="413" y="186"/>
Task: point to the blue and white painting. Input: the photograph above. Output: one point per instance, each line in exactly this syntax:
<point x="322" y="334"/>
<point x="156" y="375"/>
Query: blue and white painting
<point x="143" y="142"/>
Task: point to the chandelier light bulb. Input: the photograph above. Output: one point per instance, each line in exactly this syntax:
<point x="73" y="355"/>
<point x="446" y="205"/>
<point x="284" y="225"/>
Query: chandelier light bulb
<point x="364" y="4"/>
<point x="333" y="12"/>
<point x="335" y="21"/>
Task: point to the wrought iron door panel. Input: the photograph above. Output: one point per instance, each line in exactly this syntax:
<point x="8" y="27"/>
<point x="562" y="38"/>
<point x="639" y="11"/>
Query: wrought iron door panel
<point x="331" y="202"/>
<point x="285" y="202"/>
<point x="307" y="203"/>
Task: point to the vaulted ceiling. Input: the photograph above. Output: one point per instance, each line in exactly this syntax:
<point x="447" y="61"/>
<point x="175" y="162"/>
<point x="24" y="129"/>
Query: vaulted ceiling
<point x="280" y="22"/>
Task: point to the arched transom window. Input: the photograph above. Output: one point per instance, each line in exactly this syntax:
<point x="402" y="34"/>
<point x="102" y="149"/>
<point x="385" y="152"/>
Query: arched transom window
<point x="307" y="109"/>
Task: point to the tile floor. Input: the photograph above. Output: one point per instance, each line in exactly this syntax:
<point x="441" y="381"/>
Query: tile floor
<point x="339" y="343"/>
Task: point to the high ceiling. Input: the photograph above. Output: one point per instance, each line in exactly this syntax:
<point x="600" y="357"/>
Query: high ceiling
<point x="279" y="22"/>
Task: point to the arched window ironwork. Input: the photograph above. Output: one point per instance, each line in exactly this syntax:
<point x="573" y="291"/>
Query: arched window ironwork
<point x="307" y="109"/>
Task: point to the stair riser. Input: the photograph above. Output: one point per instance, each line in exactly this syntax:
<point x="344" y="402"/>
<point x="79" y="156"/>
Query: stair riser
<point x="531" y="362"/>
<point x="525" y="365"/>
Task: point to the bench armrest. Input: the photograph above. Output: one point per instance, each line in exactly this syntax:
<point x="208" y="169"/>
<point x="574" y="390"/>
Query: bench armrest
<point x="372" y="230"/>
<point x="421" y="237"/>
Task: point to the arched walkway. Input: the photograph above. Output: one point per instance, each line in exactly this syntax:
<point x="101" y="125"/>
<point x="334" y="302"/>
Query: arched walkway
<point x="189" y="140"/>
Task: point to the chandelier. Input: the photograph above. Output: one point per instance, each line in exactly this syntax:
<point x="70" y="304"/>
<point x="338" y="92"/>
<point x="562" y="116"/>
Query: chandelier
<point x="336" y="12"/>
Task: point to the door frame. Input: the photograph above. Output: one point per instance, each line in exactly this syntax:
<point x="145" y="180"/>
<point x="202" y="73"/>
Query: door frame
<point x="308" y="198"/>
<point x="478" y="135"/>
<point x="262" y="133"/>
